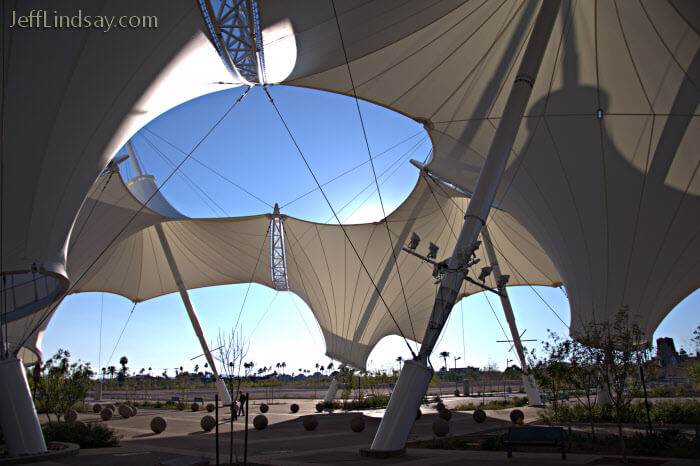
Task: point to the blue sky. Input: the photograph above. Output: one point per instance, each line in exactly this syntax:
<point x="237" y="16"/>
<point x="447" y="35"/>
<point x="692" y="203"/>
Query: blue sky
<point x="252" y="150"/>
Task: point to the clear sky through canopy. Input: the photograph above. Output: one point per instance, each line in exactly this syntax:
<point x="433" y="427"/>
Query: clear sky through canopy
<point x="245" y="166"/>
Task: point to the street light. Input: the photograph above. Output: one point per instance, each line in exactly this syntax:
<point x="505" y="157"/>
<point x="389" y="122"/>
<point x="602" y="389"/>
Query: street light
<point x="505" y="379"/>
<point x="456" y="378"/>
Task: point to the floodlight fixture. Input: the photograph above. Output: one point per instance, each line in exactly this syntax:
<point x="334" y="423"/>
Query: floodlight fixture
<point x="415" y="240"/>
<point x="502" y="281"/>
<point x="433" y="250"/>
<point x="485" y="272"/>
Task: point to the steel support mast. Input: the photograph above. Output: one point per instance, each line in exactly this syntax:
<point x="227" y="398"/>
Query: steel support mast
<point x="413" y="382"/>
<point x="224" y="395"/>
<point x="533" y="394"/>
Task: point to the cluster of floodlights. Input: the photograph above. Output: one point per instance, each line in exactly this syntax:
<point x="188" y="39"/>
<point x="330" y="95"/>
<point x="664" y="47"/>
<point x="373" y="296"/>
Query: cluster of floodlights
<point x="467" y="257"/>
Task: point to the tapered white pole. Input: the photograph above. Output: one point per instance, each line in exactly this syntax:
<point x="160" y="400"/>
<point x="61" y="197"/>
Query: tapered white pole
<point x="393" y="431"/>
<point x="533" y="394"/>
<point x="224" y="395"/>
<point x="18" y="418"/>
<point x="134" y="161"/>
<point x="332" y="391"/>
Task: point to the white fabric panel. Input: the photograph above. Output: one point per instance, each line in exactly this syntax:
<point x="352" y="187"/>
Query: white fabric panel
<point x="324" y="270"/>
<point x="73" y="96"/>
<point x="131" y="263"/>
<point x="612" y="198"/>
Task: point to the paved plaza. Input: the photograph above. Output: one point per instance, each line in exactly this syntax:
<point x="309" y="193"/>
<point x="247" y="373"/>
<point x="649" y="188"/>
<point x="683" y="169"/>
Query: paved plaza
<point x="285" y="441"/>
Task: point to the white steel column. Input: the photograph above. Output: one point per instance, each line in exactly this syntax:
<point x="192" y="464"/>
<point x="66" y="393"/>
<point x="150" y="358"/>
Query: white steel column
<point x="132" y="158"/>
<point x="332" y="391"/>
<point x="533" y="394"/>
<point x="224" y="395"/>
<point x="20" y="423"/>
<point x="395" y="427"/>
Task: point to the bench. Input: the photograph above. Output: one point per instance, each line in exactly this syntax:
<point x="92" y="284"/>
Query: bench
<point x="538" y="436"/>
<point x="199" y="400"/>
<point x="175" y="398"/>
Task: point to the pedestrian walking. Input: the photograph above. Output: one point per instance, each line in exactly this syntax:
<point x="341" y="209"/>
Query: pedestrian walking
<point x="241" y="409"/>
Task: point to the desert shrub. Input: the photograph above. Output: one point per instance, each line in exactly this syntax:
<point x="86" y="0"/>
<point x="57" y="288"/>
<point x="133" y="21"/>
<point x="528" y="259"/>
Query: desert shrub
<point x="93" y="435"/>
<point x="493" y="443"/>
<point x="494" y="404"/>
<point x="660" y="443"/>
<point x="663" y="412"/>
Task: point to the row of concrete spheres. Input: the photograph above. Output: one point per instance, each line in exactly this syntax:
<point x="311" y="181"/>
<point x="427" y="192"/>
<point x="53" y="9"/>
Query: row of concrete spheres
<point x="441" y="425"/>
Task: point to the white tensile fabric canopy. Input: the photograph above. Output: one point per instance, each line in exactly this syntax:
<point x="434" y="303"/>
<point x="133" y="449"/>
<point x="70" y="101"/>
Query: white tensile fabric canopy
<point x="603" y="173"/>
<point x="72" y="97"/>
<point x="208" y="252"/>
<point x="604" y="170"/>
<point x="325" y="271"/>
<point x="116" y="249"/>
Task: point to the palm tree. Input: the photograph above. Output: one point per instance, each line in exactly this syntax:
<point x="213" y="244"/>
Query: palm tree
<point x="330" y="367"/>
<point x="444" y="355"/>
<point x="399" y="360"/>
<point x="112" y="370"/>
<point x="124" y="361"/>
<point x="284" y="366"/>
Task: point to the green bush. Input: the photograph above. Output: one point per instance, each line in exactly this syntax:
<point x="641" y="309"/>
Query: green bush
<point x="662" y="412"/>
<point x="661" y="442"/>
<point x="493" y="404"/>
<point x="93" y="435"/>
<point x="493" y="443"/>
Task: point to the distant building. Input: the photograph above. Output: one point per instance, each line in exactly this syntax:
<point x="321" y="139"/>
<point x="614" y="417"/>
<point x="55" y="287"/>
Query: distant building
<point x="666" y="352"/>
<point x="465" y="371"/>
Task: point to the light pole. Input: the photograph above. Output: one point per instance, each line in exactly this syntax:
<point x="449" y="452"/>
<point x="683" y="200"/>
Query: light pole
<point x="505" y="379"/>
<point x="456" y="358"/>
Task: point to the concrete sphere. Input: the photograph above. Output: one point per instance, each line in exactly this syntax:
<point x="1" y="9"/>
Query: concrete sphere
<point x="418" y="414"/>
<point x="357" y="424"/>
<point x="211" y="407"/>
<point x="310" y="422"/>
<point x="319" y="407"/>
<point x="445" y="414"/>
<point x="125" y="411"/>
<point x="294" y="408"/>
<point x="208" y="423"/>
<point x="260" y="422"/>
<point x="134" y="410"/>
<point x="195" y="407"/>
<point x="479" y="415"/>
<point x="516" y="415"/>
<point x="96" y="408"/>
<point x="158" y="424"/>
<point x="71" y="415"/>
<point x="110" y="406"/>
<point x="264" y="408"/>
<point x="106" y="414"/>
<point x="441" y="427"/>
<point x="181" y="406"/>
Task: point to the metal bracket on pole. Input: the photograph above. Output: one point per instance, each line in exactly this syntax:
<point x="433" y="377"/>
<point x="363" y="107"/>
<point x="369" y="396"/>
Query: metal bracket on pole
<point x="393" y="431"/>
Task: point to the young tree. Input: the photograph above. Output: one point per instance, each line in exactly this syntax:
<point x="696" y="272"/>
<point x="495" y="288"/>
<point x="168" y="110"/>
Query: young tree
<point x="584" y="376"/>
<point x="551" y="371"/>
<point x="62" y="384"/>
<point x="622" y="350"/>
<point x="233" y="348"/>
